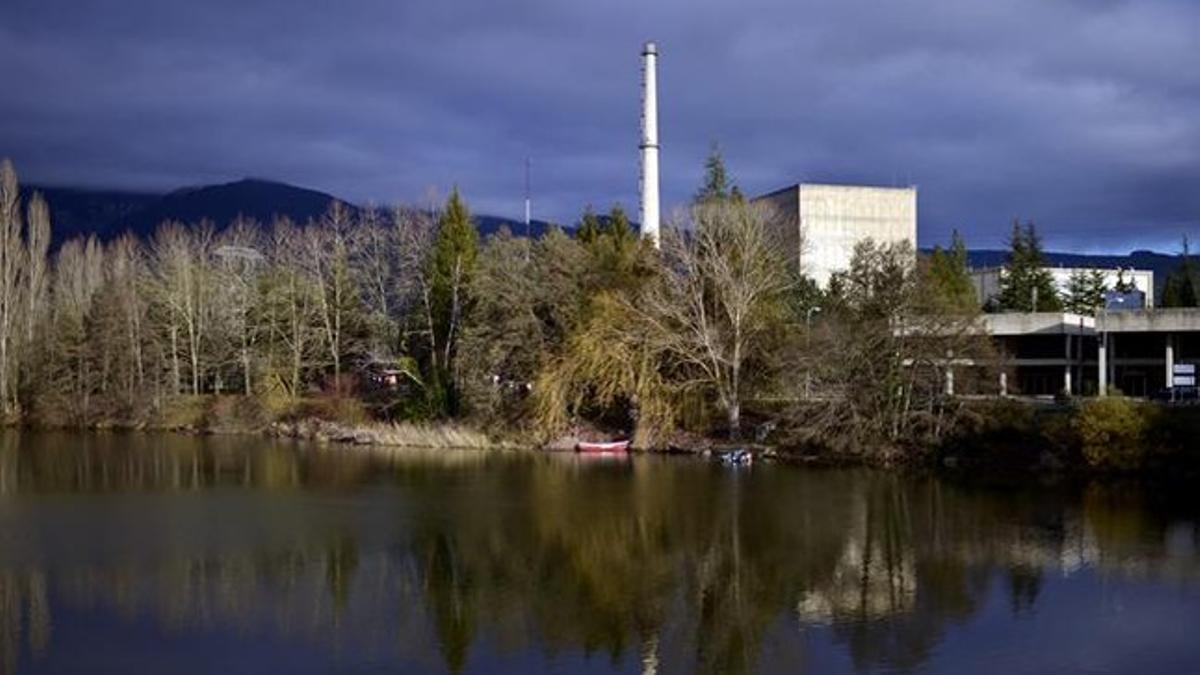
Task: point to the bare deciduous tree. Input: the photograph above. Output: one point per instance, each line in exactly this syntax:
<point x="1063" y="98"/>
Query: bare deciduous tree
<point x="182" y="258"/>
<point x="721" y="292"/>
<point x="11" y="261"/>
<point x="328" y="264"/>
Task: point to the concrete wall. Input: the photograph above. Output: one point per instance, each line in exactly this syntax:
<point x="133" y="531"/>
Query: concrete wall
<point x="783" y="207"/>
<point x="987" y="281"/>
<point x="1178" y="320"/>
<point x="822" y="223"/>
<point x="833" y="218"/>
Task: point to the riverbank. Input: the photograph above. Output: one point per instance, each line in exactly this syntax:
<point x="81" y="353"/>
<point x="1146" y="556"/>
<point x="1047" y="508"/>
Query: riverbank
<point x="1114" y="435"/>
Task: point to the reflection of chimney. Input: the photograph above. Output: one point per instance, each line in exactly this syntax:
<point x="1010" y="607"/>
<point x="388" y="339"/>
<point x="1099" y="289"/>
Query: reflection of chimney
<point x="649" y="146"/>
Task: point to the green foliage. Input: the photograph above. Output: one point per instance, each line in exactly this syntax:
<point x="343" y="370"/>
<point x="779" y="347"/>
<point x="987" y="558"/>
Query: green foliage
<point x="1115" y="432"/>
<point x="236" y="414"/>
<point x="1182" y="286"/>
<point x="1085" y="292"/>
<point x="450" y="269"/>
<point x="700" y="319"/>
<point x="947" y="280"/>
<point x="1026" y="285"/>
<point x="617" y="258"/>
<point x="883" y="346"/>
<point x="716" y="180"/>
<point x="606" y="364"/>
<point x="879" y="283"/>
<point x="505" y="338"/>
<point x="589" y="228"/>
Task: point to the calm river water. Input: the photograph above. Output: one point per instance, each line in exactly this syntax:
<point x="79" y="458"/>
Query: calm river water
<point x="145" y="553"/>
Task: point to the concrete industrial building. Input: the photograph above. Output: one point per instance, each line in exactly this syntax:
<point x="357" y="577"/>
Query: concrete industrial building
<point x="987" y="281"/>
<point x="1136" y="352"/>
<point x="1136" y="349"/>
<point x="822" y="223"/>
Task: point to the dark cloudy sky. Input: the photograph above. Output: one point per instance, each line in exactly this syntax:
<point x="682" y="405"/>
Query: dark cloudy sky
<point x="1083" y="115"/>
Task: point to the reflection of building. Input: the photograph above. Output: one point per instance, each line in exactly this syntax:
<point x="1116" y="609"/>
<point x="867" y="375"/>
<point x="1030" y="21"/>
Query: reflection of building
<point x="822" y="223"/>
<point x="987" y="281"/>
<point x="875" y="575"/>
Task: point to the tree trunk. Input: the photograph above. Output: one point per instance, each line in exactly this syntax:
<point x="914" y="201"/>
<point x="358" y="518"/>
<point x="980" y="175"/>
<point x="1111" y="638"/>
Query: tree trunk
<point x="175" y="360"/>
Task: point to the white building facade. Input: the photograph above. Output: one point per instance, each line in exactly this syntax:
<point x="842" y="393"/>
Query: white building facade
<point x="821" y="224"/>
<point x="987" y="280"/>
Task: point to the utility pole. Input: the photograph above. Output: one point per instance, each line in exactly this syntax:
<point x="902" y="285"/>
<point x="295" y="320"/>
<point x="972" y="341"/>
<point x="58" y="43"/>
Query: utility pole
<point x="528" y="212"/>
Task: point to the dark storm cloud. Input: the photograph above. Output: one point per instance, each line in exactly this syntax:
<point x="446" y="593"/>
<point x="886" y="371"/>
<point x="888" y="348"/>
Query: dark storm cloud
<point x="1081" y="115"/>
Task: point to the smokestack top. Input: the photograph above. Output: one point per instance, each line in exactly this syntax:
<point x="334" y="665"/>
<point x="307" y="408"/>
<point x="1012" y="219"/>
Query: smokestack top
<point x="649" y="146"/>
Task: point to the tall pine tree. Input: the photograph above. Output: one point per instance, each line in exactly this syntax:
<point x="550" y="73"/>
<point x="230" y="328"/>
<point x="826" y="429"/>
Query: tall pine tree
<point x="589" y="228"/>
<point x="1182" y="286"/>
<point x="1025" y="284"/>
<point x="1085" y="292"/>
<point x="449" y="270"/>
<point x="949" y="278"/>
<point x="716" y="180"/>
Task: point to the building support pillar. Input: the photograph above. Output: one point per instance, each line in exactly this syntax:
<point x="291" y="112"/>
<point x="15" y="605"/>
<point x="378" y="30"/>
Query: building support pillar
<point x="1067" y="368"/>
<point x="1170" y="361"/>
<point x="1112" y="359"/>
<point x="1102" y="366"/>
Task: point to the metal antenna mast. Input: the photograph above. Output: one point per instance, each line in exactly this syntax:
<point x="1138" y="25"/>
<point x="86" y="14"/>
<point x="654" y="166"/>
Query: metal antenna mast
<point x="528" y="199"/>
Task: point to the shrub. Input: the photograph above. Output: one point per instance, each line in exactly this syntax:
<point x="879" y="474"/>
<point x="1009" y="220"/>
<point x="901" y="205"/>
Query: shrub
<point x="235" y="414"/>
<point x="332" y="408"/>
<point x="181" y="412"/>
<point x="1113" y="432"/>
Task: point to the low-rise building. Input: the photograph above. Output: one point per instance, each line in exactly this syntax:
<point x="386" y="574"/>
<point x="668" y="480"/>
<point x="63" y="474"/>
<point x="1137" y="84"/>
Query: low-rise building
<point x="1137" y="352"/>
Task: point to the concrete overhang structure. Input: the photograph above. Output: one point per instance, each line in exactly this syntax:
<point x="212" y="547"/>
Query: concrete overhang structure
<point x="1135" y="351"/>
<point x="1134" y="344"/>
<point x="1038" y="323"/>
<point x="1175" y="320"/>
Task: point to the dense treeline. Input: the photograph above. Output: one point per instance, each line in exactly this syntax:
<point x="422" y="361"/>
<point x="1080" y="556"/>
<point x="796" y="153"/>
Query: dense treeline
<point x="406" y="314"/>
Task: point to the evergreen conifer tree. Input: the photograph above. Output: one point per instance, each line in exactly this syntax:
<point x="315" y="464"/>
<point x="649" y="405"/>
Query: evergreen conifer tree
<point x="949" y="277"/>
<point x="618" y="226"/>
<point x="450" y="268"/>
<point x="1026" y="285"/>
<point x="716" y="179"/>
<point x="589" y="226"/>
<point x="1183" y="282"/>
<point x="1085" y="292"/>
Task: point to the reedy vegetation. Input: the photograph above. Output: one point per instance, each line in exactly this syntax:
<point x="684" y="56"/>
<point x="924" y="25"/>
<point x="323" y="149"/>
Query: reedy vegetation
<point x="509" y="334"/>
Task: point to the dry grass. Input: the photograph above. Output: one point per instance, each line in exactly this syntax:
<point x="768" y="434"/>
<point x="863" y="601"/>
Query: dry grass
<point x="395" y="435"/>
<point x="429" y="436"/>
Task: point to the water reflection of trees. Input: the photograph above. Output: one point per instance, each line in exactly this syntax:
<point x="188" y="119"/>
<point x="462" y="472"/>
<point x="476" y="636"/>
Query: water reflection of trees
<point x="672" y="566"/>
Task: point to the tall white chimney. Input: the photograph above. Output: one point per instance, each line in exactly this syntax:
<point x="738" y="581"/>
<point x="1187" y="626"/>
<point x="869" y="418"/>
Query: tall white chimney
<point x="649" y="146"/>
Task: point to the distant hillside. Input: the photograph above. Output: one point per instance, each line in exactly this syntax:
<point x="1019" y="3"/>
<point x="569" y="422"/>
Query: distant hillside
<point x="258" y="200"/>
<point x="77" y="211"/>
<point x="108" y="213"/>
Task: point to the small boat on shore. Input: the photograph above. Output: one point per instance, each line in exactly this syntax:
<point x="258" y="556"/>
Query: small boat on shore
<point x="602" y="447"/>
<point x="739" y="457"/>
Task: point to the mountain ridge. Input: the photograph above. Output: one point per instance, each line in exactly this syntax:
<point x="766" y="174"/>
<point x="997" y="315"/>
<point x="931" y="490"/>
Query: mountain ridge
<point x="108" y="213"/>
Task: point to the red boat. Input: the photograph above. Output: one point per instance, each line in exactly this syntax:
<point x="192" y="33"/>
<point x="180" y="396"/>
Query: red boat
<point x="603" y="447"/>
